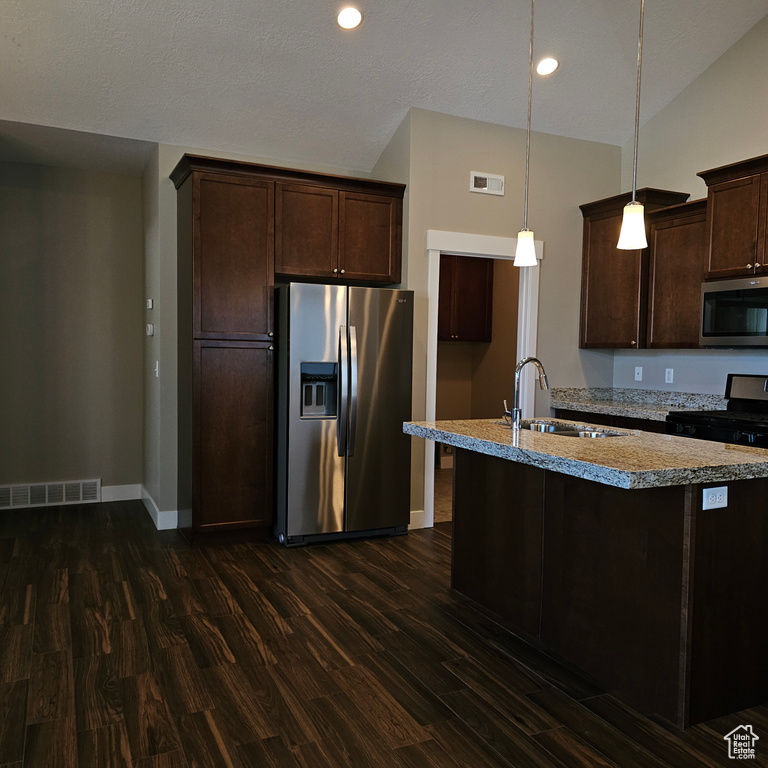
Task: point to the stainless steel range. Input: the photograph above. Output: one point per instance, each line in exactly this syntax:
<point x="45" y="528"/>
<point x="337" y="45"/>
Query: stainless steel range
<point x="743" y="422"/>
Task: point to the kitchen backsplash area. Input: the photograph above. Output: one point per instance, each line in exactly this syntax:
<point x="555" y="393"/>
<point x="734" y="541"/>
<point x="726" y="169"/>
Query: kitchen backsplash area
<point x="694" y="370"/>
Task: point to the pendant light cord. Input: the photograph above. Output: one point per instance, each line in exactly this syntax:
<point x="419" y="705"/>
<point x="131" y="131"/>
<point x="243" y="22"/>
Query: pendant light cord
<point x="637" y="98"/>
<point x="528" y="134"/>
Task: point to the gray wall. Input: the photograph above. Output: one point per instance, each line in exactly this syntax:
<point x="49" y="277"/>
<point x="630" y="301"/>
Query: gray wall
<point x="434" y="154"/>
<point x="718" y="119"/>
<point x="71" y="268"/>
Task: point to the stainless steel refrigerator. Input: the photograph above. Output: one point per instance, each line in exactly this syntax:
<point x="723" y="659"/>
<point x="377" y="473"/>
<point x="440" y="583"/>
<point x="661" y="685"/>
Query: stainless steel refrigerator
<point x="344" y="367"/>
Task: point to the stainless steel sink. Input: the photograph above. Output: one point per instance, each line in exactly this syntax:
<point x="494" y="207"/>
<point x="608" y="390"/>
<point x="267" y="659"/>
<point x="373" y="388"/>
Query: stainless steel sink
<point x="568" y="430"/>
<point x="547" y="426"/>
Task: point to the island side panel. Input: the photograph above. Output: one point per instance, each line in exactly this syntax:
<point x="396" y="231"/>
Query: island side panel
<point x="612" y="586"/>
<point x="729" y="646"/>
<point x="497" y="508"/>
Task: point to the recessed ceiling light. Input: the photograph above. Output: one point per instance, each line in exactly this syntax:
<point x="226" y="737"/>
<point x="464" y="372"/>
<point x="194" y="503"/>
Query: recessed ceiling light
<point x="547" y="66"/>
<point x="349" y="18"/>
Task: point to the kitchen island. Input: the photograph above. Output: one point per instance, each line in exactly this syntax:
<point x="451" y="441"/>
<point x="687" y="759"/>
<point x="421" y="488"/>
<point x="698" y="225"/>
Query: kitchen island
<point x="599" y="551"/>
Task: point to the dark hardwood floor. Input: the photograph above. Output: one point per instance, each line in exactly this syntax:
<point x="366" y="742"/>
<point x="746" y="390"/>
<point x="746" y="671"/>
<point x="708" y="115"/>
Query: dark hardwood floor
<point x="121" y="646"/>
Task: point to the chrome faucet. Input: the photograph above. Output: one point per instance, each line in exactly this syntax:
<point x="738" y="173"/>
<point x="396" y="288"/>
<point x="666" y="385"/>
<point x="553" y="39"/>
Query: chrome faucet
<point x="515" y="413"/>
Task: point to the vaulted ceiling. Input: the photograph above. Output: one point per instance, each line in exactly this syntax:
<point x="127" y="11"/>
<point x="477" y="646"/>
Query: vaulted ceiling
<point x="281" y="80"/>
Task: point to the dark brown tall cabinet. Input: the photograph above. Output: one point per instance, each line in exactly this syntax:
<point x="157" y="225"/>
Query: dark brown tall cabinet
<point x="239" y="224"/>
<point x="225" y="332"/>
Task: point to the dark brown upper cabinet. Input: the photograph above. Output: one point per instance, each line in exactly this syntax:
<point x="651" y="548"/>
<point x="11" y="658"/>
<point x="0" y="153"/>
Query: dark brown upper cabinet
<point x="307" y="241"/>
<point x="321" y="227"/>
<point x="465" y="305"/>
<point x="226" y="237"/>
<point x="614" y="283"/>
<point x="370" y="237"/>
<point x="677" y="244"/>
<point x="340" y="234"/>
<point x="737" y="218"/>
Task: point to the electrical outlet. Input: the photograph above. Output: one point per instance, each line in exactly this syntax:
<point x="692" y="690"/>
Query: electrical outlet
<point x="669" y="375"/>
<point x="638" y="373"/>
<point x="715" y="498"/>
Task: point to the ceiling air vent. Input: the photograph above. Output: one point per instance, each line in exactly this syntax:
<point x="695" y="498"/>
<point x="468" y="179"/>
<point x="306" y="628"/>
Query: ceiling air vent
<point x="50" y="494"/>
<point x="487" y="183"/>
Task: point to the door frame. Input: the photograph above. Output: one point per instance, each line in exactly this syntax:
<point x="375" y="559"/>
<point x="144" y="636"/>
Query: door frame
<point x="483" y="247"/>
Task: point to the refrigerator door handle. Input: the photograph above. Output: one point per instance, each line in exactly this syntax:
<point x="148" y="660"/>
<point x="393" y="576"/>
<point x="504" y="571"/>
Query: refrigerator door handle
<point x="352" y="390"/>
<point x="343" y="404"/>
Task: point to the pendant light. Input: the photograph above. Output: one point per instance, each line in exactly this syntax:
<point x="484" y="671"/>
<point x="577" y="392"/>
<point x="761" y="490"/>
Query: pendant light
<point x="525" y="253"/>
<point x="632" y="235"/>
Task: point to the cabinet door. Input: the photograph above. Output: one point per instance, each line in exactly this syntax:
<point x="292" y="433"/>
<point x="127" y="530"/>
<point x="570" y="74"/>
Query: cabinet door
<point x="733" y="221"/>
<point x="678" y="254"/>
<point x="465" y="308"/>
<point x="612" y="287"/>
<point x="370" y="234"/>
<point x="473" y="298"/>
<point x="306" y="230"/>
<point x="762" y="228"/>
<point x="232" y="456"/>
<point x="233" y="243"/>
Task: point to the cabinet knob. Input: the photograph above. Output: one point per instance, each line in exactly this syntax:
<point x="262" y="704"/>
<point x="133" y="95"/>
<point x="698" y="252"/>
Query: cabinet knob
<point x="749" y="266"/>
<point x="270" y="348"/>
<point x="343" y="271"/>
<point x="758" y="265"/>
<point x="271" y="333"/>
<point x="335" y="270"/>
<point x="633" y="343"/>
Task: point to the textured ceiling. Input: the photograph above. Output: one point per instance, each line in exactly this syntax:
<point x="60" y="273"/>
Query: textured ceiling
<point x="280" y="80"/>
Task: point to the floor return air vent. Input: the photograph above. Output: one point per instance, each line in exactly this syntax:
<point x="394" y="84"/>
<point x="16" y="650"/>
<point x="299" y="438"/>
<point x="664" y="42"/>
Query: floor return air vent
<point x="50" y="494"/>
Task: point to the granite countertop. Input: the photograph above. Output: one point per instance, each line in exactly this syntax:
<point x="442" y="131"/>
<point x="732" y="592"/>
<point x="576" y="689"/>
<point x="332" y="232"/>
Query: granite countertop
<point x="631" y="459"/>
<point x="634" y="403"/>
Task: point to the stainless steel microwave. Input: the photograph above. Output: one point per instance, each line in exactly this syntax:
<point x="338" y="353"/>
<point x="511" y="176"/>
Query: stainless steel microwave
<point x="734" y="313"/>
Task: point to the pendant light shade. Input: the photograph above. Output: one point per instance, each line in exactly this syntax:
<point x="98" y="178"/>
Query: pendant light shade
<point x="632" y="235"/>
<point x="525" y="253"/>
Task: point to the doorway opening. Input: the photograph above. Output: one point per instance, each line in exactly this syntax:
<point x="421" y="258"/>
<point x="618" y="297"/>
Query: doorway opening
<point x="466" y="380"/>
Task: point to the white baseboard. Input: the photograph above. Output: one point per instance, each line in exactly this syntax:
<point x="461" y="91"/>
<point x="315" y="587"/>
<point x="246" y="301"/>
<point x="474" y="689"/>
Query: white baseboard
<point x="417" y="519"/>
<point x="164" y="520"/>
<point x="121" y="492"/>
